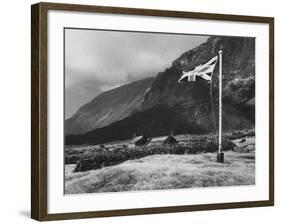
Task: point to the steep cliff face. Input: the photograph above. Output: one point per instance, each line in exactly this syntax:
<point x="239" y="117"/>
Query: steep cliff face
<point x="194" y="98"/>
<point x="108" y="107"/>
<point x="187" y="105"/>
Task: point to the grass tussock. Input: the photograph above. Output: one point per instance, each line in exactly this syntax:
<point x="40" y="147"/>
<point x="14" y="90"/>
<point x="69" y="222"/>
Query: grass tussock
<point x="167" y="171"/>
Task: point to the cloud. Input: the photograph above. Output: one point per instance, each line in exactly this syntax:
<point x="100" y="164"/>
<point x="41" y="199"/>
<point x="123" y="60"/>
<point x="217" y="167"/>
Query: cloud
<point x="109" y="87"/>
<point x="107" y="59"/>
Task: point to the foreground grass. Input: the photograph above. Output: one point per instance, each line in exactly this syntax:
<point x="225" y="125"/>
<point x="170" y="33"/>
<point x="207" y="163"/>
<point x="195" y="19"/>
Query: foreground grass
<point x="165" y="172"/>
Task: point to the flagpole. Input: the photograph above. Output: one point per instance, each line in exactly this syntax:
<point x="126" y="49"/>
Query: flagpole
<point x="220" y="156"/>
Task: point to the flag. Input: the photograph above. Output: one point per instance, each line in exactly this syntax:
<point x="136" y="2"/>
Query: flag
<point x="204" y="71"/>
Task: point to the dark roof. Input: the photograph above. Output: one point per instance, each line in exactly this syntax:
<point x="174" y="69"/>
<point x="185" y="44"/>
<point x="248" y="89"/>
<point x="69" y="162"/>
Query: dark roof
<point x="139" y="140"/>
<point x="170" y="140"/>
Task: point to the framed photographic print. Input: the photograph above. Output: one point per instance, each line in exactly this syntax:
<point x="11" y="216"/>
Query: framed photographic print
<point x="139" y="111"/>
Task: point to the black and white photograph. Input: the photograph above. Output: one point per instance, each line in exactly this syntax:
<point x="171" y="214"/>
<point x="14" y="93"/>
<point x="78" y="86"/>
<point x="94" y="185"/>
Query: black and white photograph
<point x="154" y="111"/>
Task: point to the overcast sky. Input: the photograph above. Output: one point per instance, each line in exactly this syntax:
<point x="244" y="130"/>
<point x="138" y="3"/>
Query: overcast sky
<point x="96" y="61"/>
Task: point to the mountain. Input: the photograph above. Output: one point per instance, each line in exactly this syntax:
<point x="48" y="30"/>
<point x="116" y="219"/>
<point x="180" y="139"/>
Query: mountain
<point x="108" y="107"/>
<point x="161" y="105"/>
<point x="193" y="98"/>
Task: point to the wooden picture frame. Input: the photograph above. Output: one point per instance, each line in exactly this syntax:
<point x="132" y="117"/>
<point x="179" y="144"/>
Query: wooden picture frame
<point x="39" y="109"/>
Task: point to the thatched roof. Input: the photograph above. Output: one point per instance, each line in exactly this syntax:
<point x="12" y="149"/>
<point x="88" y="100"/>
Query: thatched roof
<point x="170" y="140"/>
<point x="139" y="140"/>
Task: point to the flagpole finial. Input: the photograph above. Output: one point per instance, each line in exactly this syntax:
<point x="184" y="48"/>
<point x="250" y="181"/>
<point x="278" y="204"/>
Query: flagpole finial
<point x="220" y="51"/>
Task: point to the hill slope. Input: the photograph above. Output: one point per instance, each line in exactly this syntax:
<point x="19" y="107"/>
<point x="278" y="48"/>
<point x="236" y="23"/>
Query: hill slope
<point x="108" y="107"/>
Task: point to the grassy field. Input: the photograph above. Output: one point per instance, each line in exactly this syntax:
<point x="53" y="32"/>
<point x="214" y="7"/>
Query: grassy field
<point x="165" y="172"/>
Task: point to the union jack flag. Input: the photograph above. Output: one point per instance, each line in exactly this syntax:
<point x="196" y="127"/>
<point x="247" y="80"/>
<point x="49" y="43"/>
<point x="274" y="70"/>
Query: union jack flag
<point x="204" y="71"/>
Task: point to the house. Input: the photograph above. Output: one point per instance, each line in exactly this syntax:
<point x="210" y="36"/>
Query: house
<point x="138" y="141"/>
<point x="170" y="140"/>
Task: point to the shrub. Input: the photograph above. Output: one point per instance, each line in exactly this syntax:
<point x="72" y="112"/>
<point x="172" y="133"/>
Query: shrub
<point x="100" y="158"/>
<point x="72" y="159"/>
<point x="227" y="145"/>
<point x="97" y="160"/>
<point x="241" y="134"/>
<point x="71" y="156"/>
